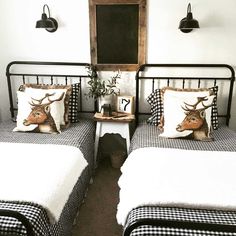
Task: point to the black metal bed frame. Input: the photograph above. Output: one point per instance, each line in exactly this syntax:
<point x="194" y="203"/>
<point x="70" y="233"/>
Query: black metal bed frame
<point x="180" y="225"/>
<point x="141" y="76"/>
<point x="10" y="75"/>
<point x="21" y="218"/>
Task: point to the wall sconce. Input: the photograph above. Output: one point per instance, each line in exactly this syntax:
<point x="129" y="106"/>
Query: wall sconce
<point x="48" y="23"/>
<point x="187" y="24"/>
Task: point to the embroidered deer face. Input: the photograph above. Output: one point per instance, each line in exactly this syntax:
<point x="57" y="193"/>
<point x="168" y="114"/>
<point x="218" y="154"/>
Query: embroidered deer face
<point x="195" y="119"/>
<point x="41" y="115"/>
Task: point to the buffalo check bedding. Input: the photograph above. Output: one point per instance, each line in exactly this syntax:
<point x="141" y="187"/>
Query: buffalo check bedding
<point x="71" y="153"/>
<point x="153" y="193"/>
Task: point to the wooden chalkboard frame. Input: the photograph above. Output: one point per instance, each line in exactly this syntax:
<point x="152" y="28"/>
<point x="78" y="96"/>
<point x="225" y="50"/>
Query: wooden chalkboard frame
<point x="141" y="40"/>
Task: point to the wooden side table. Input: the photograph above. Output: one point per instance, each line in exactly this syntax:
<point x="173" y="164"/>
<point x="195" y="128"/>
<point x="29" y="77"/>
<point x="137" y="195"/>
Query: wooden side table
<point x="116" y="124"/>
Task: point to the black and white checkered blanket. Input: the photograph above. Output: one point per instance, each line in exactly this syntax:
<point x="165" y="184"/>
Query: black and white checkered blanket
<point x="80" y="135"/>
<point x="35" y="213"/>
<point x="148" y="220"/>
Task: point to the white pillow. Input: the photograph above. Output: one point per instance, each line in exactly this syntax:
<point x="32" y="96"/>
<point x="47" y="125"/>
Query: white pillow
<point x="37" y="93"/>
<point x="175" y="111"/>
<point x="25" y="107"/>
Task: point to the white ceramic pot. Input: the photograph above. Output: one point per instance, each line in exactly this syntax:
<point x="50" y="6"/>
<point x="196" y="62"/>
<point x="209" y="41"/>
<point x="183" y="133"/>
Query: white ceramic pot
<point x="107" y="99"/>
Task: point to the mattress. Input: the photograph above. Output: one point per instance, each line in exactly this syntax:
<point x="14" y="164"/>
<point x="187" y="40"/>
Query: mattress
<point x="80" y="135"/>
<point x="148" y="218"/>
<point x="77" y="135"/>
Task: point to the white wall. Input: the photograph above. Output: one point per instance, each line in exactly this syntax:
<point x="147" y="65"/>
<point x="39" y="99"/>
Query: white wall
<point x="20" y="40"/>
<point x="214" y="42"/>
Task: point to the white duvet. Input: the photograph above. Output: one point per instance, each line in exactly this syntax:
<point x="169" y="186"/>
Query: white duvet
<point x="174" y="177"/>
<point x="41" y="173"/>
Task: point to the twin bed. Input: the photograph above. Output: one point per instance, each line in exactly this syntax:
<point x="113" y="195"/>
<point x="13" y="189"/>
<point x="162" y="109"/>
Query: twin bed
<point x="177" y="185"/>
<point x="168" y="186"/>
<point x="44" y="177"/>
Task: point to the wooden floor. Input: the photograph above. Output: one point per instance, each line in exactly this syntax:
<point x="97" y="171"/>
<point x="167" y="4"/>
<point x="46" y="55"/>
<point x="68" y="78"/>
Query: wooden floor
<point x="97" y="216"/>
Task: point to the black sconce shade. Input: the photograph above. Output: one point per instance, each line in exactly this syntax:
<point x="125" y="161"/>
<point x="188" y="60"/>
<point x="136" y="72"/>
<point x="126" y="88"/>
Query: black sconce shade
<point x="48" y="23"/>
<point x="187" y="24"/>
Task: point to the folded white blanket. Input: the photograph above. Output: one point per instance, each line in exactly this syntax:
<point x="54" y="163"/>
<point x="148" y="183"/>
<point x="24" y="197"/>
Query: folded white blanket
<point x="175" y="177"/>
<point x="40" y="173"/>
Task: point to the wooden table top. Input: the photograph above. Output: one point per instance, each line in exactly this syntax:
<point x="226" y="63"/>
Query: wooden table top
<point x="116" y="117"/>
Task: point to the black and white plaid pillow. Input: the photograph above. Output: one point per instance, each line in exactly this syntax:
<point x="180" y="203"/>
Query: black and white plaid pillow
<point x="214" y="110"/>
<point x="155" y="101"/>
<point x="74" y="103"/>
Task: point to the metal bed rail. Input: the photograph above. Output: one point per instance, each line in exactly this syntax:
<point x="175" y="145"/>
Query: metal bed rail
<point x="37" y="76"/>
<point x="180" y="225"/>
<point x="21" y="218"/>
<point x="140" y="75"/>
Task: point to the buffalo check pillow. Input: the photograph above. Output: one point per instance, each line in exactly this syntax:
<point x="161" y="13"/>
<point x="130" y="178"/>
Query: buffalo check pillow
<point x="74" y="103"/>
<point x="187" y="114"/>
<point x="155" y="101"/>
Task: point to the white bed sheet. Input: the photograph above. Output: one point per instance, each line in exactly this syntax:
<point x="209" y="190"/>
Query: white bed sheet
<point x="176" y="177"/>
<point x="40" y="173"/>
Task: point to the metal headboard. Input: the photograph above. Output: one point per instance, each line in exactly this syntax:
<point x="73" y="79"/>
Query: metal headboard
<point x="140" y="75"/>
<point x="17" y="73"/>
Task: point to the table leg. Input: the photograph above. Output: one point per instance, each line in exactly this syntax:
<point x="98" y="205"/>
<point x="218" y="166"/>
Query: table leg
<point x="127" y="138"/>
<point x="97" y="136"/>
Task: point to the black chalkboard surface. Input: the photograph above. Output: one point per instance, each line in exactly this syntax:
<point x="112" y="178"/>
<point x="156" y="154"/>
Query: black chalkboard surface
<point x="117" y="34"/>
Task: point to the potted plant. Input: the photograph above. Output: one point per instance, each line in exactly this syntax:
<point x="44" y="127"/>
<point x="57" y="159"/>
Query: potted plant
<point x="102" y="91"/>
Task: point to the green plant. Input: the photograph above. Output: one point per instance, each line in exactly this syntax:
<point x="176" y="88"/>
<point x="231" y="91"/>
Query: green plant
<point x="98" y="87"/>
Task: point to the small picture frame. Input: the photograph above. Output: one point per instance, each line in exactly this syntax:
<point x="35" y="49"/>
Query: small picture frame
<point x="125" y="104"/>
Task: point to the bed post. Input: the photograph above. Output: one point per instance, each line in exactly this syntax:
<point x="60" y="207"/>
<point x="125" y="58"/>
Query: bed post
<point x="230" y="93"/>
<point x="141" y="68"/>
<point x="10" y="89"/>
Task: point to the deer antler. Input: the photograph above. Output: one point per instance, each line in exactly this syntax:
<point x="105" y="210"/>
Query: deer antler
<point x="47" y="95"/>
<point x="194" y="106"/>
<point x="58" y="99"/>
<point x="40" y="100"/>
<point x="206" y="106"/>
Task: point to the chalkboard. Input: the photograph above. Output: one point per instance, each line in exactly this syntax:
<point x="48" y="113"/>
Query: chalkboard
<point x="117" y="34"/>
<point x="117" y="30"/>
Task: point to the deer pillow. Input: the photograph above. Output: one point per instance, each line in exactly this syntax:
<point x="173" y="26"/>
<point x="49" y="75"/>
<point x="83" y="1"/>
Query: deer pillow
<point x="187" y="114"/>
<point x="40" y="112"/>
<point x="156" y="102"/>
<point x="41" y="89"/>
